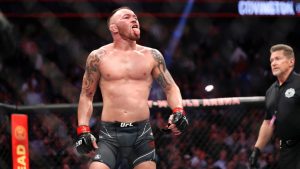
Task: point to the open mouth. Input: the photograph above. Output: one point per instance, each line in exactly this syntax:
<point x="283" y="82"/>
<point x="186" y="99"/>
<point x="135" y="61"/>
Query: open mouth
<point x="135" y="26"/>
<point x="136" y="29"/>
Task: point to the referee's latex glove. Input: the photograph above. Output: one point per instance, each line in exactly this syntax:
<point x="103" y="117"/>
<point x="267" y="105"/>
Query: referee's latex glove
<point x="254" y="158"/>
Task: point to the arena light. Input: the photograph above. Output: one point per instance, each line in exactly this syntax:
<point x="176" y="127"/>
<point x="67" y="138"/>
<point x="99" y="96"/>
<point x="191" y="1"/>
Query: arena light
<point x="266" y="8"/>
<point x="209" y="88"/>
<point x="176" y="36"/>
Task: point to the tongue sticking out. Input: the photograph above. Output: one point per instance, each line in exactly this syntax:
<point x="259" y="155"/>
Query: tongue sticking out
<point x="136" y="31"/>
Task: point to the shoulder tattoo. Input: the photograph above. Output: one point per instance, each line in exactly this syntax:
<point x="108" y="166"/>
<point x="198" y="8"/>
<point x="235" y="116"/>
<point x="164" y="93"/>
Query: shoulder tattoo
<point x="164" y="78"/>
<point x="92" y="73"/>
<point x="159" y="59"/>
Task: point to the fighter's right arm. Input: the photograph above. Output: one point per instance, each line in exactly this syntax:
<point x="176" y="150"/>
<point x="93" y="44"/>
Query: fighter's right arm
<point x="89" y="86"/>
<point x="85" y="141"/>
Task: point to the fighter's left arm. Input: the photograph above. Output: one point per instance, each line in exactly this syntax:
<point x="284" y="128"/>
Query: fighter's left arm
<point x="178" y="121"/>
<point x="165" y="80"/>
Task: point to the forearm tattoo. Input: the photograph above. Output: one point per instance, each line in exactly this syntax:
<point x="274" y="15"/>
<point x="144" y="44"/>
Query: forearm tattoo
<point x="164" y="78"/>
<point x="92" y="73"/>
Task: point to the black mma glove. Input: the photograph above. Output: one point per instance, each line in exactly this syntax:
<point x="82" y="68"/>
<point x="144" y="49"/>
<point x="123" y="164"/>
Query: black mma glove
<point x="254" y="158"/>
<point x="179" y="119"/>
<point x="84" y="142"/>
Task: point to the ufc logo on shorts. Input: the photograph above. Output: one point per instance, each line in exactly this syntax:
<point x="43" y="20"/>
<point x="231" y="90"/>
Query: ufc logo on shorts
<point x="126" y="125"/>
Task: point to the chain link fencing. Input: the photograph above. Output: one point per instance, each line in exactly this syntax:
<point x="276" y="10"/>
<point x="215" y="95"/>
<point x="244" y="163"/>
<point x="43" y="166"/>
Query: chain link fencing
<point x="217" y="138"/>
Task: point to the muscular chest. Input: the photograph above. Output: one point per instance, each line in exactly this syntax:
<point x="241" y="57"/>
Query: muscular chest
<point x="131" y="66"/>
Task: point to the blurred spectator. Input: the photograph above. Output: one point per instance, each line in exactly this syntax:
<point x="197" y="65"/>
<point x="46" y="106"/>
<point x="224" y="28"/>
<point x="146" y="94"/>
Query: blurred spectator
<point x="222" y="161"/>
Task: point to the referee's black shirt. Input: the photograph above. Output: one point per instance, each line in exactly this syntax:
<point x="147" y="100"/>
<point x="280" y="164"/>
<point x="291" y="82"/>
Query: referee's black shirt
<point x="283" y="102"/>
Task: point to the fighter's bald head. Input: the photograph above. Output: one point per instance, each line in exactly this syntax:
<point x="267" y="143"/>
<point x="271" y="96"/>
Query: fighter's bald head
<point x="111" y="18"/>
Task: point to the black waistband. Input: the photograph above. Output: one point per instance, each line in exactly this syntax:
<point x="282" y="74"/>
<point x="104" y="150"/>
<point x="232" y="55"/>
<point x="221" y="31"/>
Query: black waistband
<point x="124" y="124"/>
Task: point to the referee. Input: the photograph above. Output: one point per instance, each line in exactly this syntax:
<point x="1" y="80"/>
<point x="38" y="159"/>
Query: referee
<point x="282" y="110"/>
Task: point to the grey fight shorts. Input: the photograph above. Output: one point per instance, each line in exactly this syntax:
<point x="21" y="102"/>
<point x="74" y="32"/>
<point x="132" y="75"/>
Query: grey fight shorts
<point x="132" y="141"/>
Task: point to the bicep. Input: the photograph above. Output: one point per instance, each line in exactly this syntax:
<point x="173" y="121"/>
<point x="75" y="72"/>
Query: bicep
<point x="160" y="71"/>
<point x="164" y="79"/>
<point x="91" y="76"/>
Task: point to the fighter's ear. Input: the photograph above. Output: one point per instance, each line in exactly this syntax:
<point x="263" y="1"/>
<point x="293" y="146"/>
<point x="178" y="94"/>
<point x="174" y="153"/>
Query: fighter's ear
<point x="113" y="28"/>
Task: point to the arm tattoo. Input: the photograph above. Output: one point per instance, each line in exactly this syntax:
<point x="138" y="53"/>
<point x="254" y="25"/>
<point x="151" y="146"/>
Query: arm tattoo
<point x="164" y="78"/>
<point x="162" y="81"/>
<point x="159" y="59"/>
<point x="91" y="72"/>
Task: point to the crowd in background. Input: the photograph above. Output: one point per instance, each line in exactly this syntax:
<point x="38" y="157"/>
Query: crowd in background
<point x="218" y="138"/>
<point x="46" y="61"/>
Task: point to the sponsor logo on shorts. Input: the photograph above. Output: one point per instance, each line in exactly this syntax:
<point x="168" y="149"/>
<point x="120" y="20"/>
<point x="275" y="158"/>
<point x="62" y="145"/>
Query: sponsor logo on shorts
<point x="126" y="125"/>
<point x="97" y="157"/>
<point x="151" y="144"/>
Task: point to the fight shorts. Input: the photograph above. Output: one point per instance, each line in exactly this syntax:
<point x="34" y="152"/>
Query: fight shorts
<point x="132" y="141"/>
